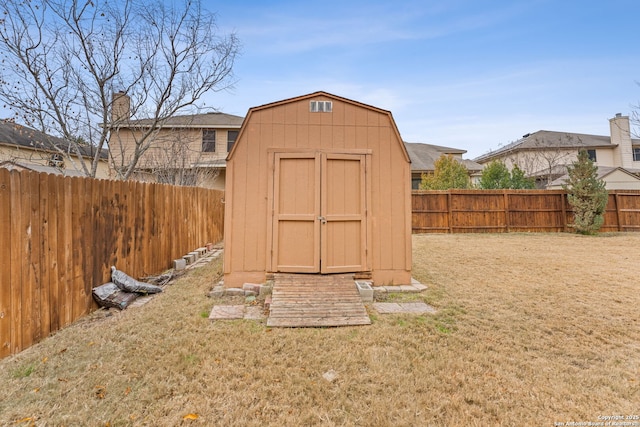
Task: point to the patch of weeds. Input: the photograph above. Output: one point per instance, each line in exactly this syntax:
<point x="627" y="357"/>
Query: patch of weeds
<point x="442" y="328"/>
<point x="401" y="322"/>
<point x="191" y="359"/>
<point x="373" y="317"/>
<point x="23" y="371"/>
<point x="420" y="320"/>
<point x="445" y="320"/>
<point x="204" y="314"/>
<point x="254" y="326"/>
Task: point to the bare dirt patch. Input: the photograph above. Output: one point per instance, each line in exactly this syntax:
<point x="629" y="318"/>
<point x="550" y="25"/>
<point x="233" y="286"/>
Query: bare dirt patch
<point x="530" y="329"/>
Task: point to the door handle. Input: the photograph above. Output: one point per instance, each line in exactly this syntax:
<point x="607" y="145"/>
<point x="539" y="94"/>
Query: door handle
<point x="322" y="219"/>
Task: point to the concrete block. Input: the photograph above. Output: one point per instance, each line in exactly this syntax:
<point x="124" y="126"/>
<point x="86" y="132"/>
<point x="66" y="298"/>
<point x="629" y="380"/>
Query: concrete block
<point x="179" y="264"/>
<point x="201" y="251"/>
<point x="408" y="288"/>
<point x="227" y="312"/>
<point x="234" y="292"/>
<point x="196" y="255"/>
<point x="189" y="259"/>
<point x="265" y="290"/>
<point x="419" y="286"/>
<point x="365" y="290"/>
<point x="267" y="302"/>
<point x="252" y="287"/>
<point x="217" y="292"/>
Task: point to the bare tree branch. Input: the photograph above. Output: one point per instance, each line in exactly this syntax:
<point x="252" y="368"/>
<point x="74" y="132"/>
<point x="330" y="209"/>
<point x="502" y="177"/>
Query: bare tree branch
<point x="62" y="61"/>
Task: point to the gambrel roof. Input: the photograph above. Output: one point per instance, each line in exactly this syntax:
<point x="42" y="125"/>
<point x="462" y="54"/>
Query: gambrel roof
<point x="323" y="94"/>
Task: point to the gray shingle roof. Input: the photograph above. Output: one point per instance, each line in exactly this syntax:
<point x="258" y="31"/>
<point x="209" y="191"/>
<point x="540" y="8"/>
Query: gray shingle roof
<point x="551" y="139"/>
<point x="603" y="171"/>
<point x="207" y="120"/>
<point x="14" y="134"/>
<point x="423" y="156"/>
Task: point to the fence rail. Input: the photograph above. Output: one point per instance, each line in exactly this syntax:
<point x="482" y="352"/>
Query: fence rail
<point x="500" y="211"/>
<point x="59" y="236"/>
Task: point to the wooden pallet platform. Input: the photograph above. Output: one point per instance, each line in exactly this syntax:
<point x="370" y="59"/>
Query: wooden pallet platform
<point x="308" y="300"/>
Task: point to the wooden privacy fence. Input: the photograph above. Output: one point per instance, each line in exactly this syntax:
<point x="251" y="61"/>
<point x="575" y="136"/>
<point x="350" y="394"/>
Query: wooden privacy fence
<point x="59" y="236"/>
<point x="500" y="211"/>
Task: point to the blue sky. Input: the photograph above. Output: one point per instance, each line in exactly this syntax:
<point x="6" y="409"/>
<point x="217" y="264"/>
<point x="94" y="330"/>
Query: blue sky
<point x="467" y="74"/>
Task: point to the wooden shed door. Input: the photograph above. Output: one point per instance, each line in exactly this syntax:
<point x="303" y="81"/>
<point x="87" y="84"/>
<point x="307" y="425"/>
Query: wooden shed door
<point x="319" y="213"/>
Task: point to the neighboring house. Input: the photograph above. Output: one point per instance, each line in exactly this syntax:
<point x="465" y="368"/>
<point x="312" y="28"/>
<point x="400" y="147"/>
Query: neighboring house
<point x="186" y="150"/>
<point x="24" y="148"/>
<point x="614" y="179"/>
<point x="423" y="157"/>
<point x="545" y="155"/>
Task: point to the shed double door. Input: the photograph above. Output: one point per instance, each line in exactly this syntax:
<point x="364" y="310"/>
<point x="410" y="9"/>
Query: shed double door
<point x="319" y="215"/>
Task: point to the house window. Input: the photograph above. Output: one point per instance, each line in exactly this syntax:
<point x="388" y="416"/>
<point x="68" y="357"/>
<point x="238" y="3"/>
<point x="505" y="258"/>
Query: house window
<point x="320" y="106"/>
<point x="415" y="183"/>
<point x="592" y="155"/>
<point x="56" y="161"/>
<point x="208" y="140"/>
<point x="232" y="135"/>
<point x="636" y="154"/>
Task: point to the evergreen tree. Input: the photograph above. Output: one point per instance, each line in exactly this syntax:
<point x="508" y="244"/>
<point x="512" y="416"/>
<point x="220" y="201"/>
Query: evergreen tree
<point x="519" y="180"/>
<point x="586" y="194"/>
<point x="494" y="176"/>
<point x="448" y="173"/>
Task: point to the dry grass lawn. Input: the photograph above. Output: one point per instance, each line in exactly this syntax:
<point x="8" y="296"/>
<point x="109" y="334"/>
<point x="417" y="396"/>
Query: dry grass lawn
<point x="532" y="329"/>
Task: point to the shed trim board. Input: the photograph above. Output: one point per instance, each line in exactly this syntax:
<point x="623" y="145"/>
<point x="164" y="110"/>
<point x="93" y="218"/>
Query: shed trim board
<point x="326" y="228"/>
<point x="318" y="192"/>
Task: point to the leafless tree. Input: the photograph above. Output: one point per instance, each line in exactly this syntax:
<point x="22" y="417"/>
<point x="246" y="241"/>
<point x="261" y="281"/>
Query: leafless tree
<point x="61" y="61"/>
<point x="543" y="160"/>
<point x="173" y="159"/>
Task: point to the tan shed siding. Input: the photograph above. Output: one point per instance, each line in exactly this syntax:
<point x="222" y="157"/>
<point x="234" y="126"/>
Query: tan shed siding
<point x="382" y="201"/>
<point x="261" y="205"/>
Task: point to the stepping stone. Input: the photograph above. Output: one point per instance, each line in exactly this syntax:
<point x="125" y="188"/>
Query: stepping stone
<point x="403" y="307"/>
<point x="417" y="307"/>
<point x="254" y="313"/>
<point x="227" y="312"/>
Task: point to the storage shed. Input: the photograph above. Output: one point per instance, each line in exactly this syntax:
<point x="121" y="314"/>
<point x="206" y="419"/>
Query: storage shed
<point x="318" y="184"/>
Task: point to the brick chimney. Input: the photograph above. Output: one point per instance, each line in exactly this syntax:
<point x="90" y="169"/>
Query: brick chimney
<point x="120" y="107"/>
<point x="621" y="136"/>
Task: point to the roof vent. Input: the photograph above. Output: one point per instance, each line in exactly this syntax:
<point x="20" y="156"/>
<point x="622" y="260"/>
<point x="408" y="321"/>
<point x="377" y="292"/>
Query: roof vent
<point x="618" y="115"/>
<point x="526" y="135"/>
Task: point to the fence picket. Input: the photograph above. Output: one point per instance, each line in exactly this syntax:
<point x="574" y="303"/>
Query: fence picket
<point x="5" y="263"/>
<point x="473" y="211"/>
<point x="60" y="236"/>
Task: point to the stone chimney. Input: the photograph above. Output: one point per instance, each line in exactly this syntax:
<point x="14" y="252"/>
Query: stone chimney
<point x="120" y="107"/>
<point x="621" y="136"/>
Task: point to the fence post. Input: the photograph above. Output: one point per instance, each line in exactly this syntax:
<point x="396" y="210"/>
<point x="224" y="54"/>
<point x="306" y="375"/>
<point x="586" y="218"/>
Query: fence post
<point x="450" y="209"/>
<point x="615" y="198"/>
<point x="506" y="209"/>
<point x="563" y="202"/>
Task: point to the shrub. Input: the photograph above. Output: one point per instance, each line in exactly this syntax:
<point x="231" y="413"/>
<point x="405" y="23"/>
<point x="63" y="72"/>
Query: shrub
<point x="587" y="195"/>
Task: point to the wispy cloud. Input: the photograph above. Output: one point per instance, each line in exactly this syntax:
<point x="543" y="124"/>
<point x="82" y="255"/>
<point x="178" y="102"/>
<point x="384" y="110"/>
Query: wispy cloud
<point x="306" y="29"/>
